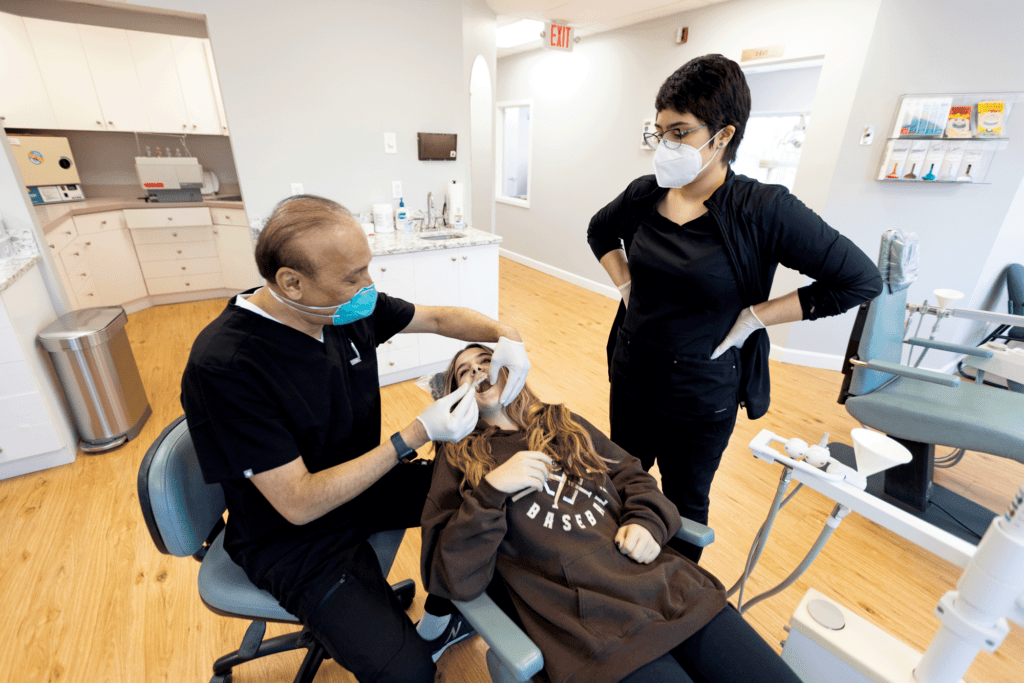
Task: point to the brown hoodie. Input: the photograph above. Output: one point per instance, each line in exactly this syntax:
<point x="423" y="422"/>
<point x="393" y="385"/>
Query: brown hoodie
<point x="596" y="615"/>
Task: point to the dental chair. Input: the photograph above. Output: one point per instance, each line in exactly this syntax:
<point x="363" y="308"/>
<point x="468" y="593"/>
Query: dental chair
<point x="512" y="655"/>
<point x="184" y="516"/>
<point x="923" y="408"/>
<point x="1005" y="333"/>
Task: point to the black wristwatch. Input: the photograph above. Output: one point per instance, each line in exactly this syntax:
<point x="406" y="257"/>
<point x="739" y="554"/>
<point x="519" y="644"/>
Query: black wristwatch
<point x="405" y="454"/>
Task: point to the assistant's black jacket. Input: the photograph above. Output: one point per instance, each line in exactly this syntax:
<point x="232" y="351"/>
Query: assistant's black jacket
<point x="762" y="226"/>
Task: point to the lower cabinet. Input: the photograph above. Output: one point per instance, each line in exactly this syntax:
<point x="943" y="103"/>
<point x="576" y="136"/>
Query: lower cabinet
<point x="235" y="252"/>
<point x="117" y="277"/>
<point x="466" y="276"/>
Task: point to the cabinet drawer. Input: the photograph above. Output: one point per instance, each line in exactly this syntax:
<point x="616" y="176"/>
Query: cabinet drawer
<point x="161" y="218"/>
<point x="10" y="350"/>
<point x="22" y="410"/>
<point x="399" y="341"/>
<point x="75" y="256"/>
<point x="397" y="360"/>
<point x="86" y="296"/>
<point x="196" y="266"/>
<point x="15" y="378"/>
<point x="60" y="237"/>
<point x="171" y="252"/>
<point x="172" y="235"/>
<point x="79" y="280"/>
<point x="24" y="442"/>
<point x="98" y="222"/>
<point x="229" y="217"/>
<point x="397" y="267"/>
<point x="185" y="283"/>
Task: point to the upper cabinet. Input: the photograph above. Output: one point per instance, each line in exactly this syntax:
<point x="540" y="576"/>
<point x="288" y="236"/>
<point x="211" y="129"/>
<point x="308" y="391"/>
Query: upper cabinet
<point x="61" y="59"/>
<point x="77" y="77"/>
<point x="158" y="76"/>
<point x="113" y="73"/>
<point x="23" y="99"/>
<point x="196" y="86"/>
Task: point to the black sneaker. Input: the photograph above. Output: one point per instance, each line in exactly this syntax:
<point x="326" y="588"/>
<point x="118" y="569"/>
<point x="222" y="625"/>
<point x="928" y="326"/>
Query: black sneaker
<point x="457" y="630"/>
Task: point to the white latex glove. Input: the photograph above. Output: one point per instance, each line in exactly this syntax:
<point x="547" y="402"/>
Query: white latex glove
<point x="746" y="324"/>
<point x="512" y="355"/>
<point x="636" y="542"/>
<point x="444" y="424"/>
<point x="624" y="291"/>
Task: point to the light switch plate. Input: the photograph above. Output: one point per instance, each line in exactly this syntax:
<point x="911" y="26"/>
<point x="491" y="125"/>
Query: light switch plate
<point x="868" y="136"/>
<point x="390" y="145"/>
<point x="396" y="189"/>
<point x="296" y="188"/>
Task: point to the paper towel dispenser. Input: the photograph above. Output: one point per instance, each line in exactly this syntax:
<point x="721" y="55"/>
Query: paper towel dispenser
<point x="436" y="146"/>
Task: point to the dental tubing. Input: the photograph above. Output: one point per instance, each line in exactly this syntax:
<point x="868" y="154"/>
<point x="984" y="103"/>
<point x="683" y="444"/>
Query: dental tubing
<point x="762" y="538"/>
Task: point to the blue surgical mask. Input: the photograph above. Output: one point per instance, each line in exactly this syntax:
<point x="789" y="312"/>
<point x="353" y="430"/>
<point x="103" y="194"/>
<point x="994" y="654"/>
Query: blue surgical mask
<point x="358" y="307"/>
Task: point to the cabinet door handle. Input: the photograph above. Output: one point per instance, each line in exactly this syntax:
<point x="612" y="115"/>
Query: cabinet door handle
<point x="391" y="362"/>
<point x="194" y="126"/>
<point x="170" y="218"/>
<point x="188" y="284"/>
<point x="90" y="294"/>
<point x="88" y="244"/>
<point x="52" y="247"/>
<point x="110" y="122"/>
<point x="174" y="234"/>
<point x="85" y="274"/>
<point x="183" y="267"/>
<point x="464" y="257"/>
<point x="99" y="123"/>
<point x="383" y="269"/>
<point x="179" y="251"/>
<point x="184" y="126"/>
<point x="453" y="258"/>
<point x="75" y="254"/>
<point x="103" y="222"/>
<point x="67" y="232"/>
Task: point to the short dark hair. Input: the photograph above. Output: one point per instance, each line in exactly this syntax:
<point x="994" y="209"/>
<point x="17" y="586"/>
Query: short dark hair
<point x="279" y="245"/>
<point x="713" y="89"/>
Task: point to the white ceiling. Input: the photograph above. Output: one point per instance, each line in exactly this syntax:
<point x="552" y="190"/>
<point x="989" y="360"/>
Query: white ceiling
<point x="587" y="16"/>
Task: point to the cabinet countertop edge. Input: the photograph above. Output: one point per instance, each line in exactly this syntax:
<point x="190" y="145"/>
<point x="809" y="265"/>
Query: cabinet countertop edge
<point x="390" y="244"/>
<point x="12" y="269"/>
<point x="52" y="216"/>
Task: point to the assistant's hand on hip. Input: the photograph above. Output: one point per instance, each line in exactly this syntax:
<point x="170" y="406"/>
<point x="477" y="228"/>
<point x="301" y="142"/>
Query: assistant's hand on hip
<point x="512" y="355"/>
<point x="444" y="424"/>
<point x="746" y="324"/>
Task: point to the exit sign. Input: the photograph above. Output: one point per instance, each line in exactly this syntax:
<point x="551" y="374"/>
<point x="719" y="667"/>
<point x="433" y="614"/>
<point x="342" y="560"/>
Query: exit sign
<point x="558" y="36"/>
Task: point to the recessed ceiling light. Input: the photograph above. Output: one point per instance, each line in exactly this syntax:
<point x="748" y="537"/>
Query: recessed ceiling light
<point x="519" y="33"/>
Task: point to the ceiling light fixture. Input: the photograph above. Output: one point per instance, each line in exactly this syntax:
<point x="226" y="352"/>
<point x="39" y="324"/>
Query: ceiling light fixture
<point x="519" y="33"/>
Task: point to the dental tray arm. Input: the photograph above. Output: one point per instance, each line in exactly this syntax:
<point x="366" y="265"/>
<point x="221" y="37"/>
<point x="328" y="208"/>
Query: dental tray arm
<point x="762" y="449"/>
<point x="909" y="372"/>
<point x="981" y="352"/>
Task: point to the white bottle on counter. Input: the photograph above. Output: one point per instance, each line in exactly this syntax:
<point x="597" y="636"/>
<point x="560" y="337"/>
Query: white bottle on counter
<point x="402" y="222"/>
<point x="456" y="203"/>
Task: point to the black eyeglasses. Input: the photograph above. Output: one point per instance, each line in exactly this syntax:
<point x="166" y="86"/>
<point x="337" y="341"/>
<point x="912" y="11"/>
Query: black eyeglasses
<point x="672" y="137"/>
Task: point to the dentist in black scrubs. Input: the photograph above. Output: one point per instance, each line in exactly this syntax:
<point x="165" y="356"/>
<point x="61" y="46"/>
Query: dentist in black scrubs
<point x="283" y="406"/>
<point x="693" y="249"/>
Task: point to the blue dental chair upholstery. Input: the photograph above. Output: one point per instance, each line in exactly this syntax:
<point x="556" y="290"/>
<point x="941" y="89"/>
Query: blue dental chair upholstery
<point x="184" y="516"/>
<point x="512" y="656"/>
<point x="922" y="409"/>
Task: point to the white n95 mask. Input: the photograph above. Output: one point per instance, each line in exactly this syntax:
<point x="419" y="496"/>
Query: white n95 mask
<point x="679" y="167"/>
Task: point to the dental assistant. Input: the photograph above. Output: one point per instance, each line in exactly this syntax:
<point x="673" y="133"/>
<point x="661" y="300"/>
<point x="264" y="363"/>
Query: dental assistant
<point x="693" y="250"/>
<point x="283" y="404"/>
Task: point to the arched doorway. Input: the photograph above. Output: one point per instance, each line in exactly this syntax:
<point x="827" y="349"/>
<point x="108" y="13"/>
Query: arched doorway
<point x="481" y="135"/>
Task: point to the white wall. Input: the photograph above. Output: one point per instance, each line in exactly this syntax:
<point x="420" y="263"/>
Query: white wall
<point x="311" y="87"/>
<point x="789" y="90"/>
<point x="478" y="34"/>
<point x="589" y="106"/>
<point x="961" y="227"/>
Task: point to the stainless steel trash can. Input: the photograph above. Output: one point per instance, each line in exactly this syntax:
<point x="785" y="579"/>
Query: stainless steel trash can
<point x="90" y="352"/>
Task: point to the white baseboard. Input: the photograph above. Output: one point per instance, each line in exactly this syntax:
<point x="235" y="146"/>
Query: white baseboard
<point x="16" y="468"/>
<point x="606" y="290"/>
<point x="808" y="359"/>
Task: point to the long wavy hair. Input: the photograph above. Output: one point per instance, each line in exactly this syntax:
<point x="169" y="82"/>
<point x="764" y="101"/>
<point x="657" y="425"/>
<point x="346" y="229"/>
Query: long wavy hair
<point x="551" y="429"/>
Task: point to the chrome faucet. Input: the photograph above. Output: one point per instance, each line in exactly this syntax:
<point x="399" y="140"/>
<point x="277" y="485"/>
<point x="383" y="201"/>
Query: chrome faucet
<point x="430" y="212"/>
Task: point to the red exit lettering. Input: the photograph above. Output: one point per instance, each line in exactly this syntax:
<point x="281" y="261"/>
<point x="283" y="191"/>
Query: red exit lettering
<point x="559" y="36"/>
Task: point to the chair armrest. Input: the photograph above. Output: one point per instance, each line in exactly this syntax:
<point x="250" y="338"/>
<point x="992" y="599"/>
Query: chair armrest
<point x="953" y="348"/>
<point x="910" y="373"/>
<point x="696" y="533"/>
<point x="515" y="650"/>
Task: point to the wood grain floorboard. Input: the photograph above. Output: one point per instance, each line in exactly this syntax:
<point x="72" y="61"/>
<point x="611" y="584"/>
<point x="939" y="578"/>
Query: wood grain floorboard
<point x="88" y="598"/>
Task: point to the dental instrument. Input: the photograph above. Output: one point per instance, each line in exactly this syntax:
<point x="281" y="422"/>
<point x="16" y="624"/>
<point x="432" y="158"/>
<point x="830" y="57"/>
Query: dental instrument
<point x="829" y="644"/>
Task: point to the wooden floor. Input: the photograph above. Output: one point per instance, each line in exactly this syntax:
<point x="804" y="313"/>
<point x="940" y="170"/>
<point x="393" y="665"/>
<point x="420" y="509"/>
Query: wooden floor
<point x="89" y="599"/>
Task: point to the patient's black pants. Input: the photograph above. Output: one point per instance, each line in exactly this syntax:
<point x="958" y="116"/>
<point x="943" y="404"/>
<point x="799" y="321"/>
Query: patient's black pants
<point x="726" y="650"/>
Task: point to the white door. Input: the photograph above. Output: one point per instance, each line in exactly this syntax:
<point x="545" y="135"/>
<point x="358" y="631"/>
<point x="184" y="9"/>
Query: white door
<point x="117" y="277"/>
<point x="23" y="99"/>
<point x="158" y="78"/>
<point x="237" y="262"/>
<point x="437" y="284"/>
<point x="113" y="73"/>
<point x="196" y="86"/>
<point x="62" y="63"/>
<point x="478" y="279"/>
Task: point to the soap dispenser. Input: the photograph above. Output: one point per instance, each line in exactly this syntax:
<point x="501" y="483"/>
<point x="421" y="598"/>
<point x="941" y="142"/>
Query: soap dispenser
<point x="402" y="222"/>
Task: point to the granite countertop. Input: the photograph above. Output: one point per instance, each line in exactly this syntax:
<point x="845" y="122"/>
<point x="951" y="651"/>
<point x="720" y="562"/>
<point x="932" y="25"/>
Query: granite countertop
<point x="52" y="215"/>
<point x="12" y="269"/>
<point x="386" y="244"/>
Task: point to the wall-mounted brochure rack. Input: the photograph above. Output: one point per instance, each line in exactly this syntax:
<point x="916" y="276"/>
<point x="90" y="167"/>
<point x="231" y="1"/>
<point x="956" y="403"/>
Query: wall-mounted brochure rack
<point x="946" y="138"/>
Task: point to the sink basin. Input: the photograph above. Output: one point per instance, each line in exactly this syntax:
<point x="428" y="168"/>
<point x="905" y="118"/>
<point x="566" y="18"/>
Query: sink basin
<point x="442" y="236"/>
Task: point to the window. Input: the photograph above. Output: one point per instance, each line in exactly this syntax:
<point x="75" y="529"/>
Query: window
<point x="514" y="153"/>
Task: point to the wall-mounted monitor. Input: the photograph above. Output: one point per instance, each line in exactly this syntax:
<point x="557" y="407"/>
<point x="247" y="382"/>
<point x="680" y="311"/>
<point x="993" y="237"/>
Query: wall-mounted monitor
<point x="437" y="146"/>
